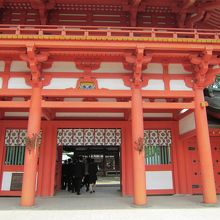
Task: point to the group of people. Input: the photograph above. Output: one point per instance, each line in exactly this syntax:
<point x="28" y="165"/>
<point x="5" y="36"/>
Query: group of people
<point x="77" y="173"/>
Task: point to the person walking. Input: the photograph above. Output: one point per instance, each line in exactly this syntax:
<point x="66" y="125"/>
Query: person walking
<point x="79" y="173"/>
<point x="64" y="177"/>
<point x="92" y="175"/>
<point x="86" y="177"/>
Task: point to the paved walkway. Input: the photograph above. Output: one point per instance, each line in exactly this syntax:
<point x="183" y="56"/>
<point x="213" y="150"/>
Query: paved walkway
<point x="106" y="204"/>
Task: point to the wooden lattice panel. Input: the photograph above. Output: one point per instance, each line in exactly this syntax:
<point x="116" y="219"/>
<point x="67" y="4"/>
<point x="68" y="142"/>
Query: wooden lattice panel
<point x="89" y="137"/>
<point x="16" y="137"/>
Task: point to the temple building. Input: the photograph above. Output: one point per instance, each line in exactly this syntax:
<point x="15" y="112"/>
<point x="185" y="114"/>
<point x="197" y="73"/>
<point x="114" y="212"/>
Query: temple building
<point x="121" y="79"/>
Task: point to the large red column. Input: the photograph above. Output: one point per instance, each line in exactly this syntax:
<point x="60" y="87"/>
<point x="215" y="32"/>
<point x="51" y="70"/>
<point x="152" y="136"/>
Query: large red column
<point x="139" y="179"/>
<point x="204" y="148"/>
<point x="31" y="156"/>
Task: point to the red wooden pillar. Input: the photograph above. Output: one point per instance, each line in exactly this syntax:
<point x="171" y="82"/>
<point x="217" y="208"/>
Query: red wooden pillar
<point x="139" y="179"/>
<point x="31" y="155"/>
<point x="204" y="148"/>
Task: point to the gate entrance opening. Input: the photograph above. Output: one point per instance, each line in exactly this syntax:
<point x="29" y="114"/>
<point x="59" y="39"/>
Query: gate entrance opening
<point x="101" y="144"/>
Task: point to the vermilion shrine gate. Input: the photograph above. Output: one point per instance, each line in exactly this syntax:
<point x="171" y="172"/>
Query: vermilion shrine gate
<point x="124" y="73"/>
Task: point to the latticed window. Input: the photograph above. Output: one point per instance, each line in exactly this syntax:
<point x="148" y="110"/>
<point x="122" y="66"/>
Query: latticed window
<point x="15" y="140"/>
<point x="15" y="146"/>
<point x="157" y="145"/>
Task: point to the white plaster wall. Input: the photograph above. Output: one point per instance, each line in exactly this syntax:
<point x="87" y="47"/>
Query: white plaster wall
<point x="6" y="181"/>
<point x="62" y="83"/>
<point x="154" y="84"/>
<point x="187" y="123"/>
<point x="160" y="100"/>
<point x="111" y="67"/>
<point x="156" y="68"/>
<point x="159" y="180"/>
<point x="73" y="99"/>
<point x="17" y="83"/>
<point x="63" y="67"/>
<point x="18" y="99"/>
<point x="2" y="66"/>
<point x="113" y="84"/>
<point x="19" y="66"/>
<point x="177" y="69"/>
<point x="90" y="114"/>
<point x="158" y="115"/>
<point x="16" y="114"/>
<point x="107" y="100"/>
<point x="1" y="81"/>
<point x="179" y="85"/>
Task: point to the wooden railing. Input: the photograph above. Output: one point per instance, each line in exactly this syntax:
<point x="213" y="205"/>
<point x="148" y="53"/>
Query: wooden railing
<point x="107" y="32"/>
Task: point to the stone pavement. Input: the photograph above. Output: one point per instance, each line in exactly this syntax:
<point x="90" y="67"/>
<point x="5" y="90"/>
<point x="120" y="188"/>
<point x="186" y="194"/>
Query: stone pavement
<point x="107" y="203"/>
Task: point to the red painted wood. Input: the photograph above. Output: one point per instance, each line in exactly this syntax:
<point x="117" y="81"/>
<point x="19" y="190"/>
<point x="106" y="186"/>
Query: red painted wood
<point x="193" y="165"/>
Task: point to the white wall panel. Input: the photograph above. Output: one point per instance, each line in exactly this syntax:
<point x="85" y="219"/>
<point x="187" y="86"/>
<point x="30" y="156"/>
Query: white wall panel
<point x="16" y="114"/>
<point x="73" y="99"/>
<point x="177" y="69"/>
<point x="107" y="100"/>
<point x="63" y="67"/>
<point x="179" y="85"/>
<point x="90" y="114"/>
<point x="158" y="115"/>
<point x="154" y="84"/>
<point x="2" y="66"/>
<point x="6" y="181"/>
<point x="187" y="123"/>
<point x="154" y="68"/>
<point x="113" y="84"/>
<point x="159" y="180"/>
<point x="19" y="66"/>
<point x="1" y="82"/>
<point x="17" y="83"/>
<point x="111" y="67"/>
<point x="62" y="83"/>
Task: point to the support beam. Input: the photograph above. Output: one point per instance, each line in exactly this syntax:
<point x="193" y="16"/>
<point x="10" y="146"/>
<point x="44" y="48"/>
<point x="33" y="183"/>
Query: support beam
<point x="85" y="105"/>
<point x="168" y="105"/>
<point x="158" y="43"/>
<point x="15" y="92"/>
<point x="137" y="148"/>
<point x="77" y="93"/>
<point x="204" y="148"/>
<point x="15" y="104"/>
<point x="31" y="153"/>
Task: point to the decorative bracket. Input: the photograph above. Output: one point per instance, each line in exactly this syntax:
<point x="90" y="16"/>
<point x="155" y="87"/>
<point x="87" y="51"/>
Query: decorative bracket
<point x="88" y="65"/>
<point x="135" y="6"/>
<point x="43" y="7"/>
<point x="34" y="59"/>
<point x="205" y="70"/>
<point x="138" y="62"/>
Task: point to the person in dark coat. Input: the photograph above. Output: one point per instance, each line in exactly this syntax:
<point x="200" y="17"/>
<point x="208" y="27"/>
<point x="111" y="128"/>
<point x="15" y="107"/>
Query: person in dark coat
<point x="86" y="175"/>
<point x="92" y="175"/>
<point x="69" y="174"/>
<point x="79" y="171"/>
<point x="73" y="170"/>
<point x="64" y="178"/>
